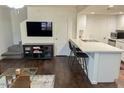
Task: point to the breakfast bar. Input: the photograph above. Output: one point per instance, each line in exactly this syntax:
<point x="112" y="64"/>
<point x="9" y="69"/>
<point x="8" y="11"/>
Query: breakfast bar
<point x="103" y="62"/>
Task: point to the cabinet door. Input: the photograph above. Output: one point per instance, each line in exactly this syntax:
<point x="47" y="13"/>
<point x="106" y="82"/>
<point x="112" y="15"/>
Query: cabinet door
<point x="121" y="46"/>
<point x="122" y="57"/>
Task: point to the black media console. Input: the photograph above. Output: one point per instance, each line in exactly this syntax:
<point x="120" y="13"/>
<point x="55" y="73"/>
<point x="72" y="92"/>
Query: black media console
<point x="38" y="51"/>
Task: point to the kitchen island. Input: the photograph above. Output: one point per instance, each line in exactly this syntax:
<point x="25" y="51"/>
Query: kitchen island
<point x="103" y="62"/>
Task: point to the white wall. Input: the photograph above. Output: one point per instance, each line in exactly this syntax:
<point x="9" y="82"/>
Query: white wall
<point x="52" y="13"/>
<point x="99" y="26"/>
<point x="17" y="16"/>
<point x="81" y="25"/>
<point x="67" y="15"/>
<point x="120" y="22"/>
<point x="5" y="29"/>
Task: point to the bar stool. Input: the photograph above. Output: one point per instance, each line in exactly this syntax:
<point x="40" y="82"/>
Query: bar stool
<point x="81" y="58"/>
<point x="0" y="69"/>
<point x="71" y="52"/>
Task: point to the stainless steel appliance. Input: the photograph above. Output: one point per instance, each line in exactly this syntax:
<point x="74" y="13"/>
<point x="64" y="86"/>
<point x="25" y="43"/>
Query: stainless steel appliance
<point x="112" y="42"/>
<point x="113" y="35"/>
<point x="119" y="34"/>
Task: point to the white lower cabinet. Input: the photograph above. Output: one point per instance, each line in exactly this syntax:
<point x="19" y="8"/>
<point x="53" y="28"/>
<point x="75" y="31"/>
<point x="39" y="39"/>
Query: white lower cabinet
<point x="121" y="46"/>
<point x="122" y="57"/>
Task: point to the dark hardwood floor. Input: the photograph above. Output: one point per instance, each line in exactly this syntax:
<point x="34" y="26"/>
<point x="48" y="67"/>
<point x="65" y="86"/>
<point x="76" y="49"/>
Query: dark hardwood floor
<point x="65" y="77"/>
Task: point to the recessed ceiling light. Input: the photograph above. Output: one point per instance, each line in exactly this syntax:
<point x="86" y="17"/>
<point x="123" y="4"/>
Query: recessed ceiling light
<point x="121" y="12"/>
<point x="92" y="12"/>
<point x="15" y="6"/>
<point x="111" y="6"/>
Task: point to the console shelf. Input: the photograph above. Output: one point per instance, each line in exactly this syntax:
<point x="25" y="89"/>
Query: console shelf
<point x="38" y="51"/>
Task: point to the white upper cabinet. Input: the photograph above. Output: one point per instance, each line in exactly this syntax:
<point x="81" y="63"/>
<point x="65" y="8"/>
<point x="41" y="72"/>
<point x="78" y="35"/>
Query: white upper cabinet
<point x="81" y="25"/>
<point x="96" y="26"/>
<point x="120" y="22"/>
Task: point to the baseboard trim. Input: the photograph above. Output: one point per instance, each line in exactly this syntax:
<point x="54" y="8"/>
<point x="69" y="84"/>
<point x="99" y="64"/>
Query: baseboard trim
<point x="61" y="56"/>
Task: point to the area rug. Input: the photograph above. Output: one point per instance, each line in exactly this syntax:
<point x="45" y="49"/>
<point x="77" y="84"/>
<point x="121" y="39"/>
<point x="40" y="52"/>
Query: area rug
<point x="42" y="81"/>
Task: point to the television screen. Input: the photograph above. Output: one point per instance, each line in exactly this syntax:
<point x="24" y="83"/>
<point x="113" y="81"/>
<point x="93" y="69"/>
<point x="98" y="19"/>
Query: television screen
<point x="39" y="29"/>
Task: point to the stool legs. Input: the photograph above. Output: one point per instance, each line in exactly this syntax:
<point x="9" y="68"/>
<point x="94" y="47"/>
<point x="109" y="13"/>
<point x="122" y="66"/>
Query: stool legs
<point x="85" y="63"/>
<point x="73" y="61"/>
<point x="82" y="61"/>
<point x="70" y="57"/>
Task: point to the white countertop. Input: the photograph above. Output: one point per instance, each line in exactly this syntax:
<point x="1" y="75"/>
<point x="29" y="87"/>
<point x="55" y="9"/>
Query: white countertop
<point x="120" y="40"/>
<point x="95" y="46"/>
<point x="117" y="40"/>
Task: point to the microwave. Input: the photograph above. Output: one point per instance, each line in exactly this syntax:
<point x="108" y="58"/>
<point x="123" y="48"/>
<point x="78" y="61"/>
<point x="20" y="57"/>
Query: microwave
<point x="117" y="35"/>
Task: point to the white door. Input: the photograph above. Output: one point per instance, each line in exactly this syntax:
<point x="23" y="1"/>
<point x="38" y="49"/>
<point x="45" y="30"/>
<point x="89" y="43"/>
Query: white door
<point x="61" y="36"/>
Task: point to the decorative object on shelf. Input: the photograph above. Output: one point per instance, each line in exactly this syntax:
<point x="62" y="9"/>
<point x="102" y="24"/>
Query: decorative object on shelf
<point x="18" y="71"/>
<point x="38" y="51"/>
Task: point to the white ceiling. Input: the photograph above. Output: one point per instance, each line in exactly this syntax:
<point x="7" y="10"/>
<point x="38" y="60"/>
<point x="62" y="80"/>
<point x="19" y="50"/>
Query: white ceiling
<point x="102" y="9"/>
<point x="87" y="9"/>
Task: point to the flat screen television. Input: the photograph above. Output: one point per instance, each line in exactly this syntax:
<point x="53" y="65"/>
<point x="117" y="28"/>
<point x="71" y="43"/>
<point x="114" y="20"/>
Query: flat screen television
<point x="43" y="29"/>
